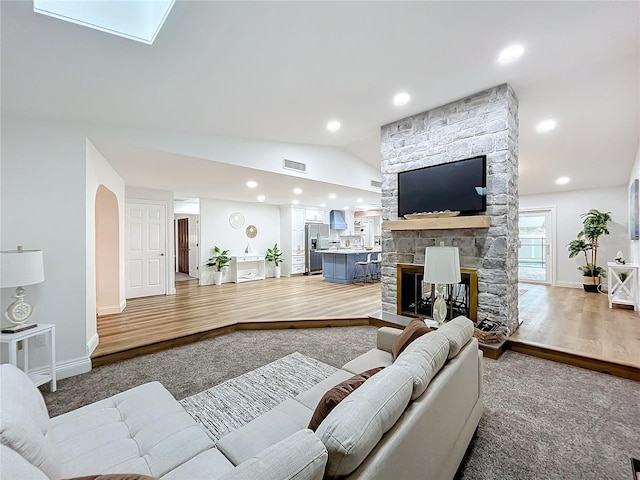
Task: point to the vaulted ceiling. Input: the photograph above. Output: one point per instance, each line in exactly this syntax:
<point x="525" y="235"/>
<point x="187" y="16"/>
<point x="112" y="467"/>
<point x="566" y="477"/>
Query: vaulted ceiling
<point x="279" y="71"/>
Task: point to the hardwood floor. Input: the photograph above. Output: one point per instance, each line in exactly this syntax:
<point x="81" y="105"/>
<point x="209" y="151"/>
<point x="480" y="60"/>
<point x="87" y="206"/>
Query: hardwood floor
<point x="273" y="303"/>
<point x="579" y="326"/>
<point x="561" y="324"/>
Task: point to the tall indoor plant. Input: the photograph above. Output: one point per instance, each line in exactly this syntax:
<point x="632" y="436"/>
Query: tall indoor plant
<point x="219" y="260"/>
<point x="275" y="255"/>
<point x="594" y="226"/>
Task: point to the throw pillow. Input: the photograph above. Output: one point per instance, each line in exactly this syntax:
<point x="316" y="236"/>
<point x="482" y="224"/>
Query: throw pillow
<point x="338" y="393"/>
<point x="415" y="329"/>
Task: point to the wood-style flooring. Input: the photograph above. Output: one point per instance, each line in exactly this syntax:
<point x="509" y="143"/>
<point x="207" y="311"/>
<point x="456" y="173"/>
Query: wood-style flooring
<point x="208" y="310"/>
<point x="576" y="327"/>
<point x="561" y="324"/>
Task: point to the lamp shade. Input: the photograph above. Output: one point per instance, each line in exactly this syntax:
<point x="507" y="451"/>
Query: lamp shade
<point x="442" y="265"/>
<point x="21" y="267"/>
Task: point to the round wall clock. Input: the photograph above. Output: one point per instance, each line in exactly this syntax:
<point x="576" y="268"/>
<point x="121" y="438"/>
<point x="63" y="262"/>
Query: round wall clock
<point x="252" y="231"/>
<point x="236" y="220"/>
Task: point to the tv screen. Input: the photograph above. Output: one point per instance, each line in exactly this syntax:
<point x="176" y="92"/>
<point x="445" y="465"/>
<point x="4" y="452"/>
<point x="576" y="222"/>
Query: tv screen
<point x="456" y="186"/>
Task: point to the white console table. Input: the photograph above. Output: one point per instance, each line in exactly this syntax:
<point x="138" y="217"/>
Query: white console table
<point x="622" y="291"/>
<point x="49" y="333"/>
<point x="245" y="268"/>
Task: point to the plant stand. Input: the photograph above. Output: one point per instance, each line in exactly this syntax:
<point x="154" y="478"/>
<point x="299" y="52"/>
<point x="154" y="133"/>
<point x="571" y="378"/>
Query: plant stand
<point x="622" y="291"/>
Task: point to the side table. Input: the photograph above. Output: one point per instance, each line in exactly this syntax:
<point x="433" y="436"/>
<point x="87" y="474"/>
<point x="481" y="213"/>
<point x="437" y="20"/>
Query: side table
<point x="622" y="284"/>
<point x="12" y="339"/>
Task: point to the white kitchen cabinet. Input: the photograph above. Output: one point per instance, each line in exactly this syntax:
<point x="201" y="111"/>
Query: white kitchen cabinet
<point x="314" y="215"/>
<point x="292" y="220"/>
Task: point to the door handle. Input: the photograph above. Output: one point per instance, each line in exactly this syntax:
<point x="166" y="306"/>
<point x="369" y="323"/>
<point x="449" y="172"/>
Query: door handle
<point x="162" y="254"/>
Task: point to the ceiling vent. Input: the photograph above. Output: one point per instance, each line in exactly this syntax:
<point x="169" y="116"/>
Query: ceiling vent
<point x="376" y="183"/>
<point x="291" y="165"/>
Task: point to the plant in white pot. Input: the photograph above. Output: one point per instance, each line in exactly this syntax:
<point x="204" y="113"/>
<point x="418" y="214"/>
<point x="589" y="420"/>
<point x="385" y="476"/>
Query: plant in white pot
<point x="219" y="259"/>
<point x="594" y="226"/>
<point x="275" y="255"/>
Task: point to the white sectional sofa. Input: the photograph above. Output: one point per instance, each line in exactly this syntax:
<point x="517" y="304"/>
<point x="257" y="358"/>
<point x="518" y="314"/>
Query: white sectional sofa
<point x="413" y="419"/>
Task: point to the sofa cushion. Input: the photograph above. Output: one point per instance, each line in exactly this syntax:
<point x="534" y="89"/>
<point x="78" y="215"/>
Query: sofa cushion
<point x="268" y="429"/>
<point x="423" y="359"/>
<point x="142" y="430"/>
<point x="24" y="424"/>
<point x="15" y="466"/>
<point x="209" y="465"/>
<point x="357" y="424"/>
<point x="311" y="397"/>
<point x="415" y="329"/>
<point x="301" y="456"/>
<point x="458" y="331"/>
<point x="337" y="394"/>
<point x="115" y="476"/>
<point x="372" y="359"/>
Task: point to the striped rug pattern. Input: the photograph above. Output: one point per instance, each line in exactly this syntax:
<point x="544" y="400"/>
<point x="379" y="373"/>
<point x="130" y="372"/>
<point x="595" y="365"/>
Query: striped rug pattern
<point x="234" y="403"/>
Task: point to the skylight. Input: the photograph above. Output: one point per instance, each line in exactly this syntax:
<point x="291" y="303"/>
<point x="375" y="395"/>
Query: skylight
<point x="132" y="19"/>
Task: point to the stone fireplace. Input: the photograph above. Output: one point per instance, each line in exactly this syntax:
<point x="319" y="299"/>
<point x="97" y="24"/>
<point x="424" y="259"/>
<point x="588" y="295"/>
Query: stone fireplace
<point x="482" y="124"/>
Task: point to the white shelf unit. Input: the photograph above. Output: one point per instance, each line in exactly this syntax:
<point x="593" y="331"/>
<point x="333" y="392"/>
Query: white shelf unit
<point x="13" y="340"/>
<point x="622" y="291"/>
<point x="246" y="268"/>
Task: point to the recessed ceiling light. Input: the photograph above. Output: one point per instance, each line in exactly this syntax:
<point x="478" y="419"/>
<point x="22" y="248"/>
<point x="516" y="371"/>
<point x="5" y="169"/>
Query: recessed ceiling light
<point x="297" y="191"/>
<point x="510" y="53"/>
<point x="295" y="202"/>
<point x="323" y="205"/>
<point x="401" y="99"/>
<point x="261" y="198"/>
<point x="562" y="180"/>
<point x="546" y="125"/>
<point x="252" y="184"/>
<point x="332" y="195"/>
<point x="359" y="200"/>
<point x="333" y="126"/>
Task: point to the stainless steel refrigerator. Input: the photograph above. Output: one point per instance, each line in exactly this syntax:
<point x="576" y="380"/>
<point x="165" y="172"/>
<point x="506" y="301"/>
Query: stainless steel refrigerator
<point x="316" y="237"/>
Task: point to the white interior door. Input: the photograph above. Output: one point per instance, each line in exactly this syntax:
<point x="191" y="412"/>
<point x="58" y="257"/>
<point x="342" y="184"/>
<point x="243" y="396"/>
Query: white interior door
<point x="194" y="254"/>
<point x="535" y="252"/>
<point x="146" y="262"/>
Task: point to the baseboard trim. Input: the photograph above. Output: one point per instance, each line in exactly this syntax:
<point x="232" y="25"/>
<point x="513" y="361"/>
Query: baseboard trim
<point x="69" y="368"/>
<point x="92" y="344"/>
<point x="110" y="309"/>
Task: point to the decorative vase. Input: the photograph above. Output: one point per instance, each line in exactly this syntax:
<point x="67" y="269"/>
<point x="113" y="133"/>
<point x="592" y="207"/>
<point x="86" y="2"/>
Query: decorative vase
<point x="276" y="271"/>
<point x="217" y="277"/>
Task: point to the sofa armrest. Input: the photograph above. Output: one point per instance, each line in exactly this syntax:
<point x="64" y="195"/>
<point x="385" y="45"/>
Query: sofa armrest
<point x="386" y="337"/>
<point x="301" y="456"/>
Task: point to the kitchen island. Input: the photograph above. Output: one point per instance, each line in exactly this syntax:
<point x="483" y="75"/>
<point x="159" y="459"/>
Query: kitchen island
<point x="338" y="265"/>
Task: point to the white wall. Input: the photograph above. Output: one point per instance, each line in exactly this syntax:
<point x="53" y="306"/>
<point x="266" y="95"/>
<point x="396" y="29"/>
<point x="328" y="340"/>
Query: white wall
<point x="99" y="172"/>
<point x="634" y="245"/>
<point x="569" y="206"/>
<point x="216" y="230"/>
<point x="324" y="163"/>
<point x="44" y="207"/>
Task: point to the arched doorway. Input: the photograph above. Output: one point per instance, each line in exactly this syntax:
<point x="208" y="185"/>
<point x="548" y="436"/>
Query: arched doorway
<point x="107" y="252"/>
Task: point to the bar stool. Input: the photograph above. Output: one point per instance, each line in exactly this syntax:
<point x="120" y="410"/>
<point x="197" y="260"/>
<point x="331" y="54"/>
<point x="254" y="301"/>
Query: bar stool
<point x="361" y="270"/>
<point x="376" y="268"/>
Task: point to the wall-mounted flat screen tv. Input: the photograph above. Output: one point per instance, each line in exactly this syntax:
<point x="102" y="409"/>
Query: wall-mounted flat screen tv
<point x="456" y="186"/>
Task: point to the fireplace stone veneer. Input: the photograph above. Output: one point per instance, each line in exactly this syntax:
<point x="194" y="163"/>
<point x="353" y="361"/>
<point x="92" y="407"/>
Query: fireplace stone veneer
<point x="482" y="124"/>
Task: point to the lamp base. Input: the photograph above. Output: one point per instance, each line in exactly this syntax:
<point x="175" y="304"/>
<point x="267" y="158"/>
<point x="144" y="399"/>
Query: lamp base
<point x="439" y="309"/>
<point x="19" y="311"/>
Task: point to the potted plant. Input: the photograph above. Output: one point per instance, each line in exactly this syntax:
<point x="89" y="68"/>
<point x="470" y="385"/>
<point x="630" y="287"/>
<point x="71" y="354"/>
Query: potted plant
<point x="594" y="226"/>
<point x="220" y="259"/>
<point x="275" y="255"/>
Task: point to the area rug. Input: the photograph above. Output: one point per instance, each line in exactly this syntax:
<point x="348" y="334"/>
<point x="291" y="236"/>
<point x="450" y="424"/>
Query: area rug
<point x="522" y="291"/>
<point x="234" y="403"/>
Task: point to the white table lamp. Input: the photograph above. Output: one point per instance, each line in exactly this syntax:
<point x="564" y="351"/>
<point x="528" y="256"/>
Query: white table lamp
<point x="19" y="268"/>
<point x="441" y="267"/>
